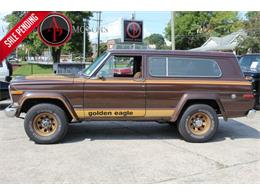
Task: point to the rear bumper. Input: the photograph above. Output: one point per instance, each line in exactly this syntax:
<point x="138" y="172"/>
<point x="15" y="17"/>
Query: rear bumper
<point x="251" y="113"/>
<point x="10" y="111"/>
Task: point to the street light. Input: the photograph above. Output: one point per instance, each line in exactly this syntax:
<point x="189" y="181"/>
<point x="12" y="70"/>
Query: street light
<point x="84" y="40"/>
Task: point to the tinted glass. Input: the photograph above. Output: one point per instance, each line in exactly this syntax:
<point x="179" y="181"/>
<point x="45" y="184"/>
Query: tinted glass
<point x="250" y="63"/>
<point x="93" y="66"/>
<point x="184" y="67"/>
<point x="157" y="66"/>
<point x="193" y="67"/>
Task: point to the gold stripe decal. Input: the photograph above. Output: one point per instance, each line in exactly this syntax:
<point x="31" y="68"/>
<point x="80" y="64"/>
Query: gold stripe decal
<point x="159" y="113"/>
<point x="169" y="82"/>
<point x="104" y="113"/>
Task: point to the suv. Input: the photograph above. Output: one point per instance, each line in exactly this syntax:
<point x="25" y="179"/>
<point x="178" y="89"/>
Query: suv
<point x="189" y="89"/>
<point x="250" y="65"/>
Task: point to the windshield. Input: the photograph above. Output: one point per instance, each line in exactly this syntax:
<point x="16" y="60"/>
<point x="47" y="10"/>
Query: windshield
<point x="95" y="64"/>
<point x="250" y="63"/>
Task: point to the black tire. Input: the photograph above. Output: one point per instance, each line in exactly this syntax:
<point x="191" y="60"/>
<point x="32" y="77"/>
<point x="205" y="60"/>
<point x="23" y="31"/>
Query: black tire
<point x="60" y="118"/>
<point x="187" y="127"/>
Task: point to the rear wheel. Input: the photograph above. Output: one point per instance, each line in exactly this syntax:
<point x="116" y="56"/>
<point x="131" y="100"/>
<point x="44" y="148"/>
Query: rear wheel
<point x="198" y="123"/>
<point x="46" y="124"/>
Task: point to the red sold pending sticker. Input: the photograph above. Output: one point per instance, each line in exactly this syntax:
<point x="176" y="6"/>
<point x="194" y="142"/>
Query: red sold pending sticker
<point x="49" y="28"/>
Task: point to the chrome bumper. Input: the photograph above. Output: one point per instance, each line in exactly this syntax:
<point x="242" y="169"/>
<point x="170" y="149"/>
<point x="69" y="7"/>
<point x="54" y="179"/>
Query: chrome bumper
<point x="251" y="113"/>
<point x="10" y="111"/>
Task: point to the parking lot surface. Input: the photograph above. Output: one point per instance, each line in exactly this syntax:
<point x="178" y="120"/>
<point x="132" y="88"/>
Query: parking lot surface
<point x="131" y="152"/>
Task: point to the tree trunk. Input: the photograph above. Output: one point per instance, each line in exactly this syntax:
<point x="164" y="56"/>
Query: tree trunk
<point x="55" y="52"/>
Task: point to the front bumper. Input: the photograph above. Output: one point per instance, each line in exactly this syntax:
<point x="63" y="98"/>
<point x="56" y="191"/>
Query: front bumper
<point x="251" y="113"/>
<point x="10" y="111"/>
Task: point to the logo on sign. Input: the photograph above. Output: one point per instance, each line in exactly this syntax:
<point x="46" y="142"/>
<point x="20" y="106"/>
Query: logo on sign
<point x="133" y="31"/>
<point x="55" y="30"/>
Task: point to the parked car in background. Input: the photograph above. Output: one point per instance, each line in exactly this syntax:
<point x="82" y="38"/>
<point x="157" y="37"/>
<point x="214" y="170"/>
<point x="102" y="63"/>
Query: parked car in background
<point x="6" y="71"/>
<point x="5" y="77"/>
<point x="4" y="93"/>
<point x="250" y="65"/>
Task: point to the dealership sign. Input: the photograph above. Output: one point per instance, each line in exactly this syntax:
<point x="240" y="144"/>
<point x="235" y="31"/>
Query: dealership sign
<point x="55" y="30"/>
<point x="133" y="31"/>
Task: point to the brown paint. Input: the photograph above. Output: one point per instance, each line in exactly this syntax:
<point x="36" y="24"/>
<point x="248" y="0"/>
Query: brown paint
<point x="152" y="93"/>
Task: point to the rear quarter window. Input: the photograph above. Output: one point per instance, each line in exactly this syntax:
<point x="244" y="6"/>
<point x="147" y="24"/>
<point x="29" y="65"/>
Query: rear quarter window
<point x="183" y="67"/>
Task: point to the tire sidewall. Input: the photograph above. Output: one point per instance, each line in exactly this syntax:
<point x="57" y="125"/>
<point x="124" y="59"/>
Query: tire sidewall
<point x="185" y="130"/>
<point x="53" y="138"/>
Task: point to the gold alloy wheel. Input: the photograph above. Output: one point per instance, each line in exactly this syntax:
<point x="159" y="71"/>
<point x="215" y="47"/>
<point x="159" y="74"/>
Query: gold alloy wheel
<point x="45" y="124"/>
<point x="199" y="123"/>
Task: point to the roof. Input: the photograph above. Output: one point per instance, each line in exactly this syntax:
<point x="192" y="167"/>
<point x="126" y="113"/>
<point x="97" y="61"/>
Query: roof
<point x="225" y="43"/>
<point x="172" y="52"/>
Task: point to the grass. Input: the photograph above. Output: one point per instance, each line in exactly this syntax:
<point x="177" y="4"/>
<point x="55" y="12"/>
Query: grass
<point x="30" y="69"/>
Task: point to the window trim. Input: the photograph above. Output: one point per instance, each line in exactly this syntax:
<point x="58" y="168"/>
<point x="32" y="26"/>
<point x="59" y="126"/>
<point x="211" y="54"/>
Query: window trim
<point x="179" y="76"/>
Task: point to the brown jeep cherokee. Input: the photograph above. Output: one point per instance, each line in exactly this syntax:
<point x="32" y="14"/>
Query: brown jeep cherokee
<point x="189" y="89"/>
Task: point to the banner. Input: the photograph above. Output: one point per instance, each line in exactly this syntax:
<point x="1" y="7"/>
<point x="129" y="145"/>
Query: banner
<point x="20" y="31"/>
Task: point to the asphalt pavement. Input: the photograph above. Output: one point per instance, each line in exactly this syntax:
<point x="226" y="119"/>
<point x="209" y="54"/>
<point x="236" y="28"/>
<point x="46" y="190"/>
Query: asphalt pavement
<point x="131" y="152"/>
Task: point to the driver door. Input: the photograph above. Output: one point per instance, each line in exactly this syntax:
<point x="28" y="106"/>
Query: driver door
<point x="113" y="92"/>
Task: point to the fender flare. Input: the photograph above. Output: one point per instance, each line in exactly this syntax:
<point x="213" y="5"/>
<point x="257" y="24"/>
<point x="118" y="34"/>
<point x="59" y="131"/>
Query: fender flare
<point x="55" y="96"/>
<point x="194" y="96"/>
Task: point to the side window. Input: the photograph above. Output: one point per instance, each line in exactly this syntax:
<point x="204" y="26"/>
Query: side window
<point x="1" y="65"/>
<point x="121" y="66"/>
<point x="157" y="66"/>
<point x="184" y="67"/>
<point x="107" y="69"/>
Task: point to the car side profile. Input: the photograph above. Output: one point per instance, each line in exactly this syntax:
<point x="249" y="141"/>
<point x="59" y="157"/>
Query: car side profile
<point x="250" y="65"/>
<point x="189" y="89"/>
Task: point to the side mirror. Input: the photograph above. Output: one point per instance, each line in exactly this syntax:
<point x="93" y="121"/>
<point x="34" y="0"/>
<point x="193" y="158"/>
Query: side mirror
<point x="100" y="76"/>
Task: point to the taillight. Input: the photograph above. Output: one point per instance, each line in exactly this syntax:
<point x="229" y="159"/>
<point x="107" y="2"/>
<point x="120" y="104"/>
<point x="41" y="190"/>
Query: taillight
<point x="248" y="96"/>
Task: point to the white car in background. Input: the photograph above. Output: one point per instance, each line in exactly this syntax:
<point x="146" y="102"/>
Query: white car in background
<point x="4" y="71"/>
<point x="5" y="77"/>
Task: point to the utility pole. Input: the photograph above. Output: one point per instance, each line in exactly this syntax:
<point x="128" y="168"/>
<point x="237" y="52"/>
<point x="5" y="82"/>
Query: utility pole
<point x="84" y="40"/>
<point x="98" y="28"/>
<point x="133" y="16"/>
<point x="98" y="20"/>
<point x="172" y="30"/>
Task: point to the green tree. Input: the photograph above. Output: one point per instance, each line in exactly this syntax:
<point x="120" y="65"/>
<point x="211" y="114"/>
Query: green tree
<point x="251" y="43"/>
<point x="157" y="40"/>
<point x="103" y="47"/>
<point x="192" y="29"/>
<point x="75" y="45"/>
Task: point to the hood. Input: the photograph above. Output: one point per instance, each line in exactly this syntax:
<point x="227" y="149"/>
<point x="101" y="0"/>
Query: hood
<point x="43" y="79"/>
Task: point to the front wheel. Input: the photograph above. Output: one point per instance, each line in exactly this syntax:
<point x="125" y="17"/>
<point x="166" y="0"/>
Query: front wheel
<point x="198" y="123"/>
<point x="46" y="124"/>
